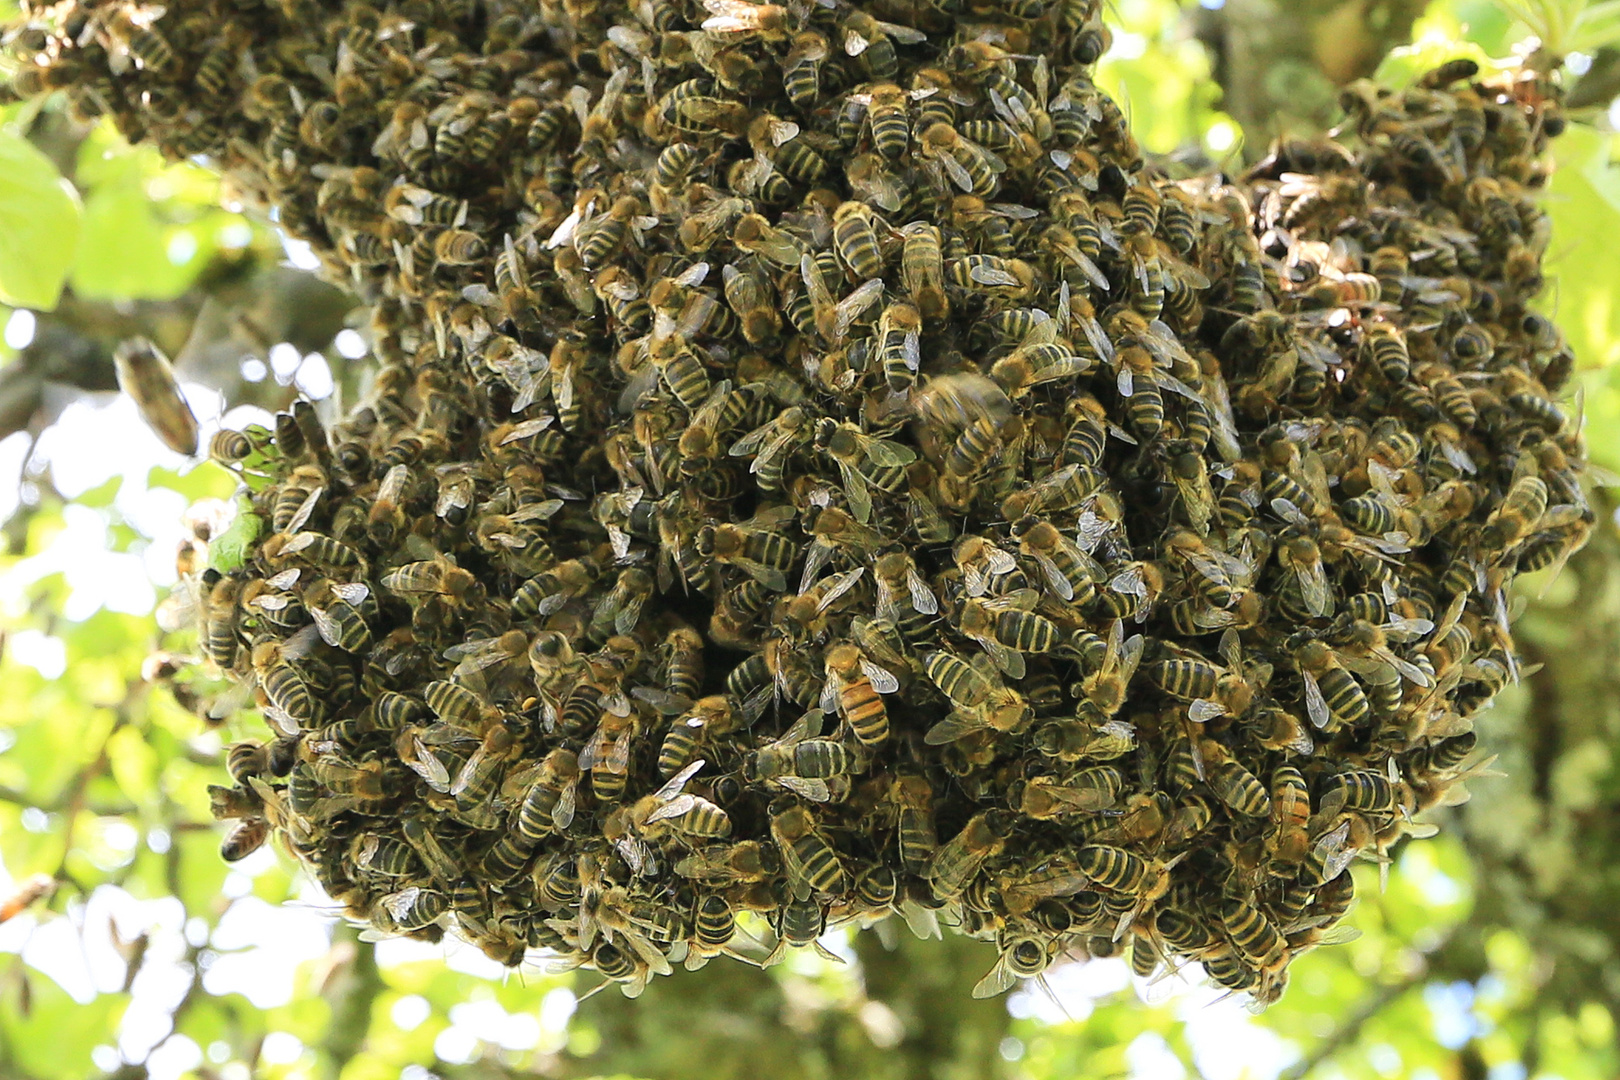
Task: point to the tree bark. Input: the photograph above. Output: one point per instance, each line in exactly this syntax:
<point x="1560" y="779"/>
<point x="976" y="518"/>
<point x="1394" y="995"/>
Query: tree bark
<point x="905" y="1015"/>
<point x="1281" y="63"/>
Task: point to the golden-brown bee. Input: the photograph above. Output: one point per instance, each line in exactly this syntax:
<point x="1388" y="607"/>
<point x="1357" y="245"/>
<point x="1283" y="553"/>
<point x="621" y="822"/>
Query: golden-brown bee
<point x="755" y="547"/>
<point x="749" y="293"/>
<point x="855" y="686"/>
<point x="983" y="703"/>
<point x="336" y="608"/>
<point x="146" y="375"/>
<point x="872" y="42"/>
<point x="922" y="269"/>
<point x="811" y="863"/>
<point x="1104" y="687"/>
<point x="863" y="462"/>
<point x="686" y="813"/>
<point x="899" y="345"/>
<point x="855" y="238"/>
<point x="1333" y="698"/>
<point x="1006" y="627"/>
<point x="246" y="836"/>
<point x="967" y="165"/>
<point x="960" y="859"/>
<point x="1085" y="792"/>
<point x="283" y="684"/>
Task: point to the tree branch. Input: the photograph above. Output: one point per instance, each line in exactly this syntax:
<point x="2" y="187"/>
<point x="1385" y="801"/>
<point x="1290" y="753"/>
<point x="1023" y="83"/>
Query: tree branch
<point x="1280" y="63"/>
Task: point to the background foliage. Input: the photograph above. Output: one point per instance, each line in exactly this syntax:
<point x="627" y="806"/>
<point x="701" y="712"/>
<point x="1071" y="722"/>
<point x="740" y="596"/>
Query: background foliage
<point x="1490" y="953"/>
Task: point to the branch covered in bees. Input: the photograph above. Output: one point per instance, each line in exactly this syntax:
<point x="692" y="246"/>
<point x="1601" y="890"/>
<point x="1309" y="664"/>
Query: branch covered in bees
<point x="819" y="472"/>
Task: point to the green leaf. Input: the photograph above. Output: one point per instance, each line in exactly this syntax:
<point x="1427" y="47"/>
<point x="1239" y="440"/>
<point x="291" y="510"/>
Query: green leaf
<point x="208" y="480"/>
<point x="230" y="550"/>
<point x="39" y="226"/>
<point x="55" y="1035"/>
<point x="125" y="250"/>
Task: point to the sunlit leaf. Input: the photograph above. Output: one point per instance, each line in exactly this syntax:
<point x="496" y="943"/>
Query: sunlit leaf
<point x="55" y="1036"/>
<point x="39" y="225"/>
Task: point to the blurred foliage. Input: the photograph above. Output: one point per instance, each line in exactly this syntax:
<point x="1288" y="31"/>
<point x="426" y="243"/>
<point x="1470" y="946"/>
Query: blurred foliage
<point x="1490" y="953"/>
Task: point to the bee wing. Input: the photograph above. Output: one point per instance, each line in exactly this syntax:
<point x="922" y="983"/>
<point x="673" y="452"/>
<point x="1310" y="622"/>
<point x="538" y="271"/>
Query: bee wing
<point x="1315" y="704"/>
<point x="882" y="681"/>
<point x="1125" y="381"/>
<point x="755" y="704"/>
<point x="884" y="452"/>
<point x="618" y="756"/>
<point x="921" y="921"/>
<point x="675" y="807"/>
<point x="328" y="627"/>
<point x="854" y="43"/>
<point x="829" y="693"/>
<point x="922" y="597"/>
<point x="1290" y="513"/>
<point x="953" y="168"/>
<point x="593" y="754"/>
<point x="886" y="607"/>
<point x="469" y="770"/>
<point x="953" y="727"/>
<point x="999" y="980"/>
<point x="305" y="509"/>
<point x="860" y="500"/>
<point x="805" y="787"/>
<point x="1054" y="577"/>
<point x="645" y="949"/>
<point x="300" y="643"/>
<point x="1313" y="586"/>
<point x="1411" y="671"/>
<point x="427" y="765"/>
<point x="1203" y="710"/>
<point x="903" y="34"/>
<point x="677" y="782"/>
<point x="1130" y="654"/>
<point x="754" y="440"/>
<point x="768" y="576"/>
<point x="1010" y="661"/>
<point x="562" y="815"/>
<point x="666" y="703"/>
<point x="842" y="583"/>
<point x="851" y="307"/>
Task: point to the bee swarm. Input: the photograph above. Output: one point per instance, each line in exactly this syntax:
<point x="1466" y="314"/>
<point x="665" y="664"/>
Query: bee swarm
<point x="820" y="470"/>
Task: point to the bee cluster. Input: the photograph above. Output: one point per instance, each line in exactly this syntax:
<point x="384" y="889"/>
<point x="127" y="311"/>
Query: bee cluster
<point x="819" y="470"/>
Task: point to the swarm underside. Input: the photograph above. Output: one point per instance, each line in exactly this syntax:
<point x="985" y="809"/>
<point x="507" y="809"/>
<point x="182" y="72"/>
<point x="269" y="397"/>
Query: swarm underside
<point x="819" y="469"/>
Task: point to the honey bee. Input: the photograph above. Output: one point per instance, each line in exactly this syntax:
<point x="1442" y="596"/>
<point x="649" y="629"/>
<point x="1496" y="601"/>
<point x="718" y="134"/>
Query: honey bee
<point x="986" y="567"/>
<point x="1333" y="698"/>
<point x="854" y="688"/>
<point x="863" y="461"/>
<point x="802" y="763"/>
<point x="1104" y="687"/>
<point x="146" y="375"/>
<point x="811" y="863"/>
<point x="892" y="573"/>
<point x="899" y="345"/>
<point x="772" y="444"/>
<point x="1085" y="792"/>
<point x="983" y="702"/>
<point x="802" y="68"/>
<point x="1006" y="627"/>
<point x="686" y="813"/>
<point x="960" y="859"/>
<point x="339" y="615"/>
<point x="873" y="42"/>
<point x="754" y="546"/>
<point x="750" y="295"/>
